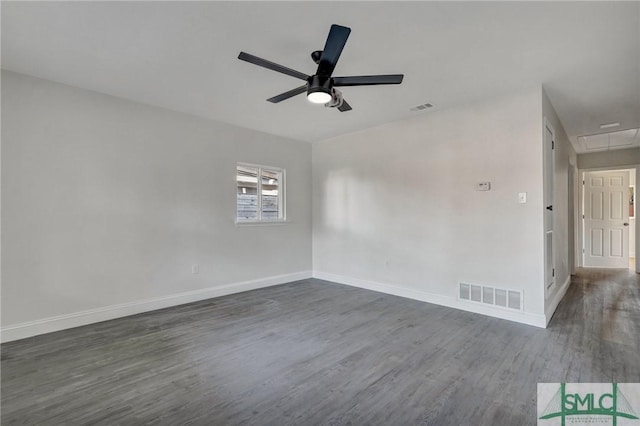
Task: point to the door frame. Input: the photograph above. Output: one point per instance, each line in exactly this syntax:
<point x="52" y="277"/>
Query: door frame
<point x="575" y="252"/>
<point x="580" y="211"/>
<point x="549" y="173"/>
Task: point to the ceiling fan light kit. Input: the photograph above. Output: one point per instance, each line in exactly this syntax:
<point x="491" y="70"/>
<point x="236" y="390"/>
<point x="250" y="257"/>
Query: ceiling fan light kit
<point x="319" y="89"/>
<point x="320" y="86"/>
<point x="318" y="97"/>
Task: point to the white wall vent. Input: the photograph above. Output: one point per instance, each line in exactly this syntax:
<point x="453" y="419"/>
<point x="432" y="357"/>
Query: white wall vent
<point x="487" y="295"/>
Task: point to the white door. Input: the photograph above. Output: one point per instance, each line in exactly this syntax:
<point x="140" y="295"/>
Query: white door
<point x="606" y="219"/>
<point x="549" y="196"/>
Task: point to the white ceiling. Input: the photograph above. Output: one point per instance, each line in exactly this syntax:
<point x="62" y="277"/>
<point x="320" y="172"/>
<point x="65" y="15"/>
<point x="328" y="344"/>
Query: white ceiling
<point x="183" y="56"/>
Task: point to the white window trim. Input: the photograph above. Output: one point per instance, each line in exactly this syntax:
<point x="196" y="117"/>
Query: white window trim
<point x="281" y="199"/>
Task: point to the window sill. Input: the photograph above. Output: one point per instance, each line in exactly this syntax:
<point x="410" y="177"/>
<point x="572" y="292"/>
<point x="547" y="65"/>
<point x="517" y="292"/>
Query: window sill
<point x="243" y="223"/>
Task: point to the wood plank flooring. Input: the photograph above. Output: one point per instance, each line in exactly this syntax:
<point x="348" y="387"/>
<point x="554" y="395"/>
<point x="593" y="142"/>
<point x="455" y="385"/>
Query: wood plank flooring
<point x="318" y="353"/>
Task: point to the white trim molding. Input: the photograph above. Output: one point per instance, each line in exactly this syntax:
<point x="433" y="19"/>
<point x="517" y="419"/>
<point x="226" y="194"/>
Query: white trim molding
<point x="77" y="319"/>
<point x="555" y="301"/>
<point x="536" y="320"/>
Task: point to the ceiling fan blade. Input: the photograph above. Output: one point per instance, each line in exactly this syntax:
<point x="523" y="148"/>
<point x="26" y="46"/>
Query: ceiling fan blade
<point x="243" y="56"/>
<point x="336" y="40"/>
<point x="286" y="95"/>
<point x="368" y="80"/>
<point x="344" y="107"/>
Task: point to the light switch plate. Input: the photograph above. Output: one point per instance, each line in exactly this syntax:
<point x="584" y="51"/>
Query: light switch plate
<point x="522" y="197"/>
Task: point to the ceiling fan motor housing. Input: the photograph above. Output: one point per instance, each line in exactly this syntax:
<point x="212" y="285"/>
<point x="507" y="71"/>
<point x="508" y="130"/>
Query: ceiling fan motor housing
<point x="319" y="83"/>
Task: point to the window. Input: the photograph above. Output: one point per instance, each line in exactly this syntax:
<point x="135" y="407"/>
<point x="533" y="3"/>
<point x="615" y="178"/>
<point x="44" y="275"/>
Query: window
<point x="260" y="193"/>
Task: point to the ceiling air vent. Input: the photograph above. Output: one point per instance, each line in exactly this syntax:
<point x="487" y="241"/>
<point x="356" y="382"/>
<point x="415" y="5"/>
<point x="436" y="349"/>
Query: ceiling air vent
<point x="421" y="107"/>
<point x="622" y="139"/>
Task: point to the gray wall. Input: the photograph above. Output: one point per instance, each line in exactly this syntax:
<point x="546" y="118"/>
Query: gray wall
<point x="107" y="202"/>
<point x="395" y="207"/>
<point x="614" y="158"/>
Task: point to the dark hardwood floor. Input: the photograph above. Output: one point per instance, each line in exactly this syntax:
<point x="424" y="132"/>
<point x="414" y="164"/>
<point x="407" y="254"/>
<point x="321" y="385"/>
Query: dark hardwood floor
<point x="318" y="353"/>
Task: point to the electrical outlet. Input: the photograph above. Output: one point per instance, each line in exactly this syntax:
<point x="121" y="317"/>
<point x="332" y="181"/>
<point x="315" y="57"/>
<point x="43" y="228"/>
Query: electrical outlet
<point x="195" y="268"/>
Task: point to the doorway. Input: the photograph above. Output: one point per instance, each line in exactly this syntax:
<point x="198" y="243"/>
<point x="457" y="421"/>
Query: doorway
<point x="608" y="218"/>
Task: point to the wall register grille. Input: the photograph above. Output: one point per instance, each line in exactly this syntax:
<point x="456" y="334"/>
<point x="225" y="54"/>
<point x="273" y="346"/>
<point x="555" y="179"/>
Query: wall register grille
<point x="492" y="296"/>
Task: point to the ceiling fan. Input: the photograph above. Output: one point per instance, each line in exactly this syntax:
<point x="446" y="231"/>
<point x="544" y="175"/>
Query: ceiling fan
<point x="321" y="86"/>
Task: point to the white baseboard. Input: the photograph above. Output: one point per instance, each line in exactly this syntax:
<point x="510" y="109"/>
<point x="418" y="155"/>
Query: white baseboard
<point x="536" y="320"/>
<point x="555" y="301"/>
<point x="76" y="319"/>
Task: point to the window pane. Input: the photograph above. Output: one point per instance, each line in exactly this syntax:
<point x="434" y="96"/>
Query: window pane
<point x="271" y="195"/>
<point x="247" y="200"/>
